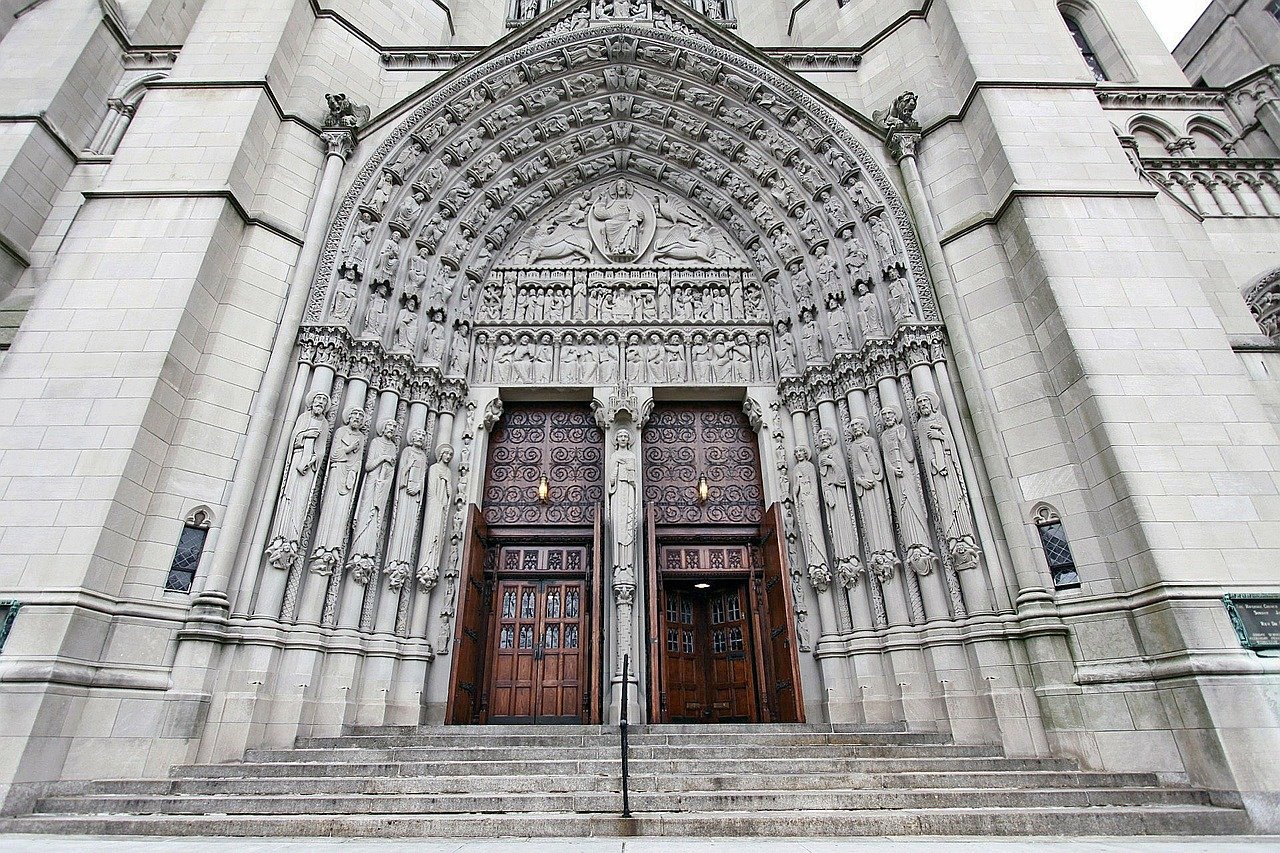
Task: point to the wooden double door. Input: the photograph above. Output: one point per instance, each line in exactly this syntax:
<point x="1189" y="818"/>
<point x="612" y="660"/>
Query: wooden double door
<point x="709" y="652"/>
<point x="537" y="651"/>
<point x="722" y="630"/>
<point x="529" y="634"/>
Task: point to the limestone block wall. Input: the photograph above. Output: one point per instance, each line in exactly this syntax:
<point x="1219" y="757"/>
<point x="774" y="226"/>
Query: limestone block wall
<point x="1092" y="328"/>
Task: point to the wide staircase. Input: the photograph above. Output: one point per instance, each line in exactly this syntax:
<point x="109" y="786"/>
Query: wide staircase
<point x="742" y="780"/>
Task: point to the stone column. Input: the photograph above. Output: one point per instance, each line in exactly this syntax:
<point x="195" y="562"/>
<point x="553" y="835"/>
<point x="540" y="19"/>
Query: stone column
<point x="902" y="145"/>
<point x="212" y="597"/>
<point x="622" y="417"/>
<point x="830" y="649"/>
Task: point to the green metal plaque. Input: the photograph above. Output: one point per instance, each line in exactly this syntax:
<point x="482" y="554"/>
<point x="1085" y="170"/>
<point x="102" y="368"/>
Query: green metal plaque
<point x="8" y="612"/>
<point x="1256" y="618"/>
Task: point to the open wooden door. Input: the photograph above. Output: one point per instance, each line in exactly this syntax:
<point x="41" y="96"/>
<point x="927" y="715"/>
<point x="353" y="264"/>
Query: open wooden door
<point x="470" y="640"/>
<point x="655" y="604"/>
<point x="597" y="672"/>
<point x="778" y="630"/>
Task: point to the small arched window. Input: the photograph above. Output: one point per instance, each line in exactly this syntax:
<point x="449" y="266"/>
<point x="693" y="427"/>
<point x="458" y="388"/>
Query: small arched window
<point x="186" y="557"/>
<point x="1086" y="49"/>
<point x="1057" y="550"/>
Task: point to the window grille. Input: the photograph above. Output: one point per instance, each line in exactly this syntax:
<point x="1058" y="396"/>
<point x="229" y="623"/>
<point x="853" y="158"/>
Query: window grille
<point x="186" y="557"/>
<point x="1086" y="49"/>
<point x="8" y="612"/>
<point x="1057" y="552"/>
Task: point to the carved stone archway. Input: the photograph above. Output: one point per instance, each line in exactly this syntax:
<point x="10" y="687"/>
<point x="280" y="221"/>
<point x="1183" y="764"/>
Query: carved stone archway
<point x="654" y="151"/>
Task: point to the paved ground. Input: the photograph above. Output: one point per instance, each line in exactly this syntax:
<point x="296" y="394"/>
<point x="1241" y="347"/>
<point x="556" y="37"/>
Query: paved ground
<point x="93" y="844"/>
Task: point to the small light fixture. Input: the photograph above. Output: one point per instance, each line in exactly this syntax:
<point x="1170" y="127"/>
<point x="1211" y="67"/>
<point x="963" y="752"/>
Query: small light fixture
<point x="544" y="489"/>
<point x="704" y="489"/>
<point x="702" y="586"/>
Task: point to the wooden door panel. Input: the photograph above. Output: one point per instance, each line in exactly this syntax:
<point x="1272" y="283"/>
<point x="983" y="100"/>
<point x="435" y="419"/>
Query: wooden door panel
<point x="469" y="640"/>
<point x="537" y="649"/>
<point x="782" y="664"/>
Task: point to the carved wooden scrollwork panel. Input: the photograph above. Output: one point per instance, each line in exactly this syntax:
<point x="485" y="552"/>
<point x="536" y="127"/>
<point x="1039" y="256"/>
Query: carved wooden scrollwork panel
<point x="686" y="441"/>
<point x="560" y="441"/>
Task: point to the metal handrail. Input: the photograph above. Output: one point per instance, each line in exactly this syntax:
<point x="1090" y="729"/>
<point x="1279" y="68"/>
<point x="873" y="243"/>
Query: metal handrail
<point x="622" y="733"/>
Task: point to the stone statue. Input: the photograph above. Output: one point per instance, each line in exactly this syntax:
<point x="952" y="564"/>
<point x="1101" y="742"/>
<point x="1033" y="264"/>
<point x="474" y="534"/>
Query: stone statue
<point x="787" y="356"/>
<point x="869" y="316"/>
<point x="621" y="223"/>
<point x="459" y="352"/>
<point x="307" y="445"/>
<point x="623" y="507"/>
<point x="371" y="509"/>
<point x="900" y="116"/>
<point x="410" y="208"/>
<point x="904" y="485"/>
<point x="357" y="256"/>
<point x="809" y="517"/>
<point x="382" y="193"/>
<point x="343" y="113"/>
<point x="344" y="298"/>
<point x="435" y="343"/>
<point x="439" y="491"/>
<point x="811" y="339"/>
<point x="945" y="475"/>
<point x="838" y="323"/>
<point x="883" y="238"/>
<point x="340" y="490"/>
<point x="410" y="481"/>
<point x="375" y="315"/>
<point x="836" y="495"/>
<point x="388" y="261"/>
<point x="899" y="296"/>
<point x="868" y="483"/>
<point x="562" y="237"/>
<point x="405" y="336"/>
<point x="408" y="157"/>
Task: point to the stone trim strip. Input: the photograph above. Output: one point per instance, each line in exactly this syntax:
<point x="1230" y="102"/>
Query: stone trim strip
<point x="227" y="195"/>
<point x="1015" y="195"/>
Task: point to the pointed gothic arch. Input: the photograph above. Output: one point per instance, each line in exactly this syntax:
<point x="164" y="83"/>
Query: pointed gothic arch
<point x="483" y="155"/>
<point x="818" y="301"/>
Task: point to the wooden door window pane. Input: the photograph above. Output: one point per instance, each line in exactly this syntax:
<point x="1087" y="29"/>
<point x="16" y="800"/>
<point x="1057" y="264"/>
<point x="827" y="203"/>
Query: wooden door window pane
<point x="686" y="612"/>
<point x="734" y="607"/>
<point x="735" y="640"/>
<point x="526" y="636"/>
<point x="509" y="604"/>
<point x="688" y="642"/>
<point x="718" y="644"/>
<point x="717" y="611"/>
<point x="673" y="640"/>
<point x="553" y="604"/>
<point x="570" y="636"/>
<point x="571" y="604"/>
<point x="527" y="609"/>
<point x="507" y="637"/>
<point x="551" y="637"/>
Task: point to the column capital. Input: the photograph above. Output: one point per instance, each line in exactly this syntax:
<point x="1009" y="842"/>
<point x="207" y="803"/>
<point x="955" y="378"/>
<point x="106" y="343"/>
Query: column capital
<point x="902" y="144"/>
<point x="339" y="142"/>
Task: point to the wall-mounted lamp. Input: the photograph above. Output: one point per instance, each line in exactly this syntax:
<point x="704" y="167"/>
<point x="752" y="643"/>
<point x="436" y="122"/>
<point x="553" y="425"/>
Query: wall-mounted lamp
<point x="544" y="489"/>
<point x="704" y="489"/>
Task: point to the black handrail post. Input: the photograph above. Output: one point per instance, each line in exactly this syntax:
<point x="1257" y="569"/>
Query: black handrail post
<point x="622" y="731"/>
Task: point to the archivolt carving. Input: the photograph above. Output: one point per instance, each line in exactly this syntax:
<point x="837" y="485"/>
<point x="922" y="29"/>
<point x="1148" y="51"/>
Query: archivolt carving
<point x="594" y="116"/>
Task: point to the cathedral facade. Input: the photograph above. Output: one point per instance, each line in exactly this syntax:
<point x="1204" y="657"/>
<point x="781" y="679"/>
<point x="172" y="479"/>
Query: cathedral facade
<point x="505" y="361"/>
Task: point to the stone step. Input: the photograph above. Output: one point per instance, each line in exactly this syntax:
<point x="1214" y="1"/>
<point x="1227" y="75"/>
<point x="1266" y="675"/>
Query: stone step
<point x="579" y="783"/>
<point x="607" y="802"/>
<point x="693" y="729"/>
<point x="979" y="821"/>
<point x="611" y="740"/>
<point x="612" y="752"/>
<point x="321" y="767"/>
